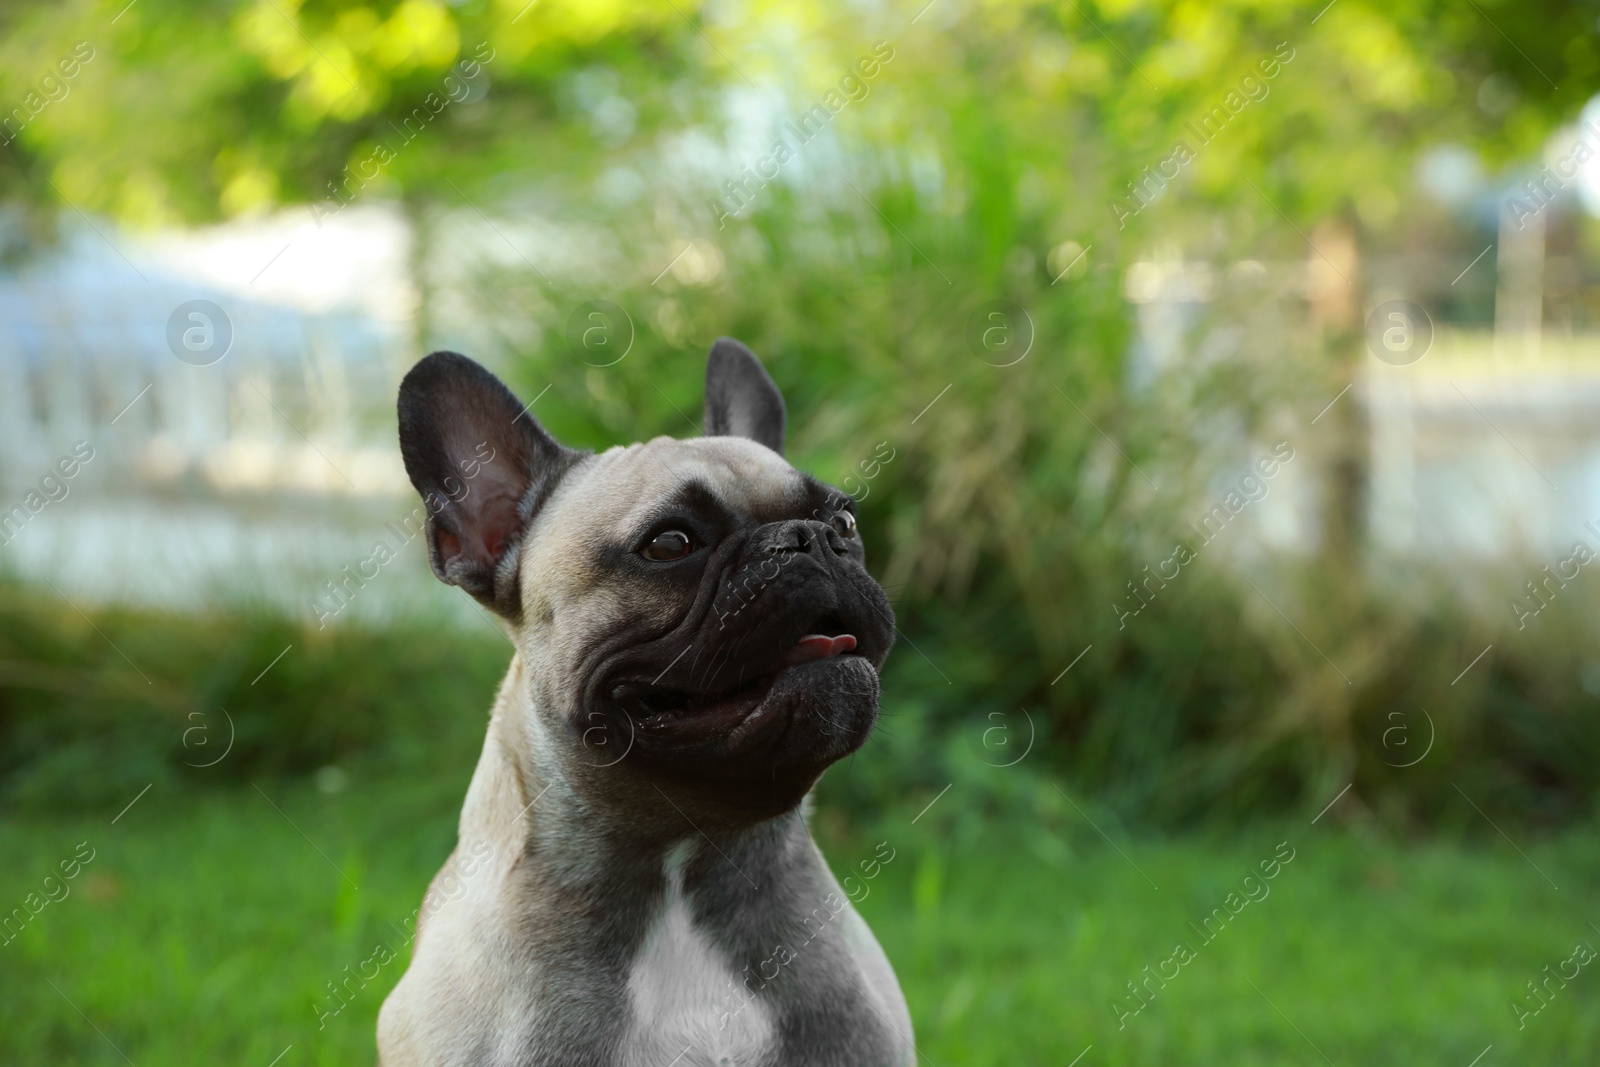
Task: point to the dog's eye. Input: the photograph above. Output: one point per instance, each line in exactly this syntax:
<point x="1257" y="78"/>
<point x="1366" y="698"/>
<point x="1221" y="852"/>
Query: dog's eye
<point x="845" y="523"/>
<point x="668" y="546"/>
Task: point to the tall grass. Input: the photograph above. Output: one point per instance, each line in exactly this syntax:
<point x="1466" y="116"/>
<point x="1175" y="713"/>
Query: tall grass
<point x="1173" y="721"/>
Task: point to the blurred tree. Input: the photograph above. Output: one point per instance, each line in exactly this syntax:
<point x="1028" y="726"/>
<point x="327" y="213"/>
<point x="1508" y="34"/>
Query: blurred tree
<point x="193" y="112"/>
<point x="1020" y="152"/>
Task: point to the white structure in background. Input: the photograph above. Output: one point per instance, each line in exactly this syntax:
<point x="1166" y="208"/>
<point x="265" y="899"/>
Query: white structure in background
<point x="1490" y="445"/>
<point x="1476" y="453"/>
<point x="257" y="476"/>
<point x="1486" y="448"/>
<point x="320" y="322"/>
<point x="1170" y="297"/>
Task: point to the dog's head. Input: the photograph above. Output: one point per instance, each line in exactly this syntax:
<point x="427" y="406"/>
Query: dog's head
<point x="691" y="612"/>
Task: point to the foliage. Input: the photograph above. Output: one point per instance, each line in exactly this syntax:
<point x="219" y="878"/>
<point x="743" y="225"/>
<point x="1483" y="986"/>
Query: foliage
<point x="1178" y="722"/>
<point x="94" y="709"/>
<point x="194" y="111"/>
<point x="977" y="164"/>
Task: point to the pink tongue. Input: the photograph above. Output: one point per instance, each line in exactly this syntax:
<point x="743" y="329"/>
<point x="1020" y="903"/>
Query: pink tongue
<point x="818" y="646"/>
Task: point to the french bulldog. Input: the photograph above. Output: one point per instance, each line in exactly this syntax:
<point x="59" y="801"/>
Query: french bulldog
<point x="697" y="638"/>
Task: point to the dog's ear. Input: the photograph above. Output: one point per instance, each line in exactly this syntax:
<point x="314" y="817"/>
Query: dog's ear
<point x="741" y="400"/>
<point x="484" y="467"/>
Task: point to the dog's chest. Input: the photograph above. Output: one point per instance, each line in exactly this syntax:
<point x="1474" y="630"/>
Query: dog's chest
<point x="688" y="1002"/>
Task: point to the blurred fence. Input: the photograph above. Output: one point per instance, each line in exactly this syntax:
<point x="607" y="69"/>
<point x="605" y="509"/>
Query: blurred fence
<point x="260" y="462"/>
<point x="237" y="436"/>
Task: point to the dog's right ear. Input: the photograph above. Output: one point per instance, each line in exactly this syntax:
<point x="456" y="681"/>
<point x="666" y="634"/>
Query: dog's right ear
<point x="484" y="467"/>
<point x="741" y="398"/>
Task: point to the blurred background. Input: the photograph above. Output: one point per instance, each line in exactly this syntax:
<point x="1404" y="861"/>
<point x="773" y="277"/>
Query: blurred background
<point x="1220" y="384"/>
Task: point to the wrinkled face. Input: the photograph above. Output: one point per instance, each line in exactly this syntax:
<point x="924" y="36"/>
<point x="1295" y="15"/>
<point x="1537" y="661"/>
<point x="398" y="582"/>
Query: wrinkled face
<point x="695" y="613"/>
<point x="710" y="612"/>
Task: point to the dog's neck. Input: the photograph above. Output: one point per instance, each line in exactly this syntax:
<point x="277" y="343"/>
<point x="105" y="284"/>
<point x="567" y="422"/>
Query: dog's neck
<point x="576" y="933"/>
<point x="524" y="802"/>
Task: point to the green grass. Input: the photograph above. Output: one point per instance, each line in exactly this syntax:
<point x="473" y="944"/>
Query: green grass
<point x="205" y="927"/>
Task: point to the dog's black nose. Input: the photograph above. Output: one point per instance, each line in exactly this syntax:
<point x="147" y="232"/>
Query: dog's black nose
<point x="803" y="536"/>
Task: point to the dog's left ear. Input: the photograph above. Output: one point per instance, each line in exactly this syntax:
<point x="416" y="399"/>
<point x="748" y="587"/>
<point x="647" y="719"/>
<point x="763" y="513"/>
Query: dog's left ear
<point x="484" y="467"/>
<point x="741" y="399"/>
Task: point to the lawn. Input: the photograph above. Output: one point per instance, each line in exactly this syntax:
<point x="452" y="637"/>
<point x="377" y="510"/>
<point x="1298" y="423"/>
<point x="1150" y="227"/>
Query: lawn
<point x="206" y="927"/>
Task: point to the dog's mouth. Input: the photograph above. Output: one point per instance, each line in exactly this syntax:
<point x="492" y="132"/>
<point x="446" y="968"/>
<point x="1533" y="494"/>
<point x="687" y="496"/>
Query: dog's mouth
<point x="658" y="707"/>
